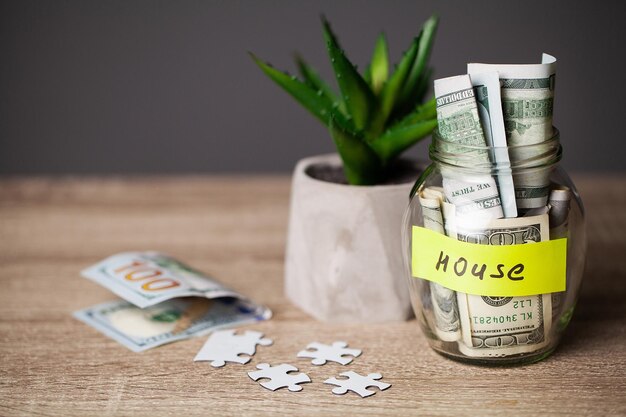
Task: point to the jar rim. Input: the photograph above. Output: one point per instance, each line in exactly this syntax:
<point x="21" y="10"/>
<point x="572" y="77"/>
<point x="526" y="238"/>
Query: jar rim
<point x="536" y="155"/>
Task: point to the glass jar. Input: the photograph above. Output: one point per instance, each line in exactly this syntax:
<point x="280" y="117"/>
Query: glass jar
<point x="495" y="252"/>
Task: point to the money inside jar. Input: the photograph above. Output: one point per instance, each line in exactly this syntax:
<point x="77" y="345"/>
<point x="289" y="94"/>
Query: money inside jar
<point x="492" y="122"/>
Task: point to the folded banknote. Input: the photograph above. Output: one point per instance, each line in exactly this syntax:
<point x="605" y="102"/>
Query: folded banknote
<point x="164" y="301"/>
<point x="177" y="319"/>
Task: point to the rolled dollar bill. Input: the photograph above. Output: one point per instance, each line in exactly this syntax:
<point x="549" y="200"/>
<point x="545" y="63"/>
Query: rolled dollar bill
<point x="430" y="201"/>
<point x="473" y="194"/>
<point x="527" y="100"/>
<point x="487" y="90"/>
<point x="443" y="300"/>
<point x="433" y="192"/>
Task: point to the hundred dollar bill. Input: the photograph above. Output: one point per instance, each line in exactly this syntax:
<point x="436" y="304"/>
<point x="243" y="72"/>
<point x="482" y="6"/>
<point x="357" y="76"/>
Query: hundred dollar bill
<point x="153" y="311"/>
<point x="473" y="194"/>
<point x="504" y="326"/>
<point x="527" y="99"/>
<point x="148" y="278"/>
<point x="443" y="300"/>
<point x="487" y="90"/>
<point x="141" y="329"/>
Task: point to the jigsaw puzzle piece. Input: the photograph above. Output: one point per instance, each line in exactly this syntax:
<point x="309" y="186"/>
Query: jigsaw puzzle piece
<point x="279" y="377"/>
<point x="321" y="353"/>
<point x="357" y="383"/>
<point x="225" y="346"/>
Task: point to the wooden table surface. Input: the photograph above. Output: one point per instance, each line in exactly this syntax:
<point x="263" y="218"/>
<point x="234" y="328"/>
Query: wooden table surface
<point x="235" y="228"/>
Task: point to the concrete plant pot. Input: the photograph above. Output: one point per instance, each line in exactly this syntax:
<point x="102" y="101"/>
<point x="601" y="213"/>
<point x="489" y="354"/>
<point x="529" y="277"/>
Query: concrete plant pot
<point x="344" y="256"/>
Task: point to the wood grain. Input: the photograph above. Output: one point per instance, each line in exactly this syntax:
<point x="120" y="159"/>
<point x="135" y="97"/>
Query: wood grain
<point x="235" y="228"/>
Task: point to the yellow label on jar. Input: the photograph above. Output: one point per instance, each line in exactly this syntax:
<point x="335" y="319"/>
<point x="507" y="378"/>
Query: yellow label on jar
<point x="495" y="271"/>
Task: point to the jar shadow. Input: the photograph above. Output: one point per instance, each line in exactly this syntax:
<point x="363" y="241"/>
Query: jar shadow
<point x="597" y="325"/>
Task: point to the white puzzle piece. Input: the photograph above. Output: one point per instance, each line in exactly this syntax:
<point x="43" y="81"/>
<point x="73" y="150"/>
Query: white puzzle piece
<point x="322" y="353"/>
<point x="225" y="346"/>
<point x="279" y="377"/>
<point x="357" y="383"/>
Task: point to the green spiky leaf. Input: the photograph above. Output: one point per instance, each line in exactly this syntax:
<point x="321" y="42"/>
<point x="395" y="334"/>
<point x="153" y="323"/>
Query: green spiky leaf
<point x="400" y="137"/>
<point x="317" y="103"/>
<point x="408" y="107"/>
<point x="357" y="95"/>
<point x="407" y="131"/>
<point x="422" y="86"/>
<point x="313" y="80"/>
<point x="359" y="118"/>
<point x="421" y="180"/>
<point x="378" y="69"/>
<point x="423" y="112"/>
<point x="426" y="39"/>
<point x="360" y="163"/>
<point x="392" y="89"/>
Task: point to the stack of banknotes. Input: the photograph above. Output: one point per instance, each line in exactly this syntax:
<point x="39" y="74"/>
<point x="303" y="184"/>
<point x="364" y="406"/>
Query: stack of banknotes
<point x="485" y="118"/>
<point x="163" y="300"/>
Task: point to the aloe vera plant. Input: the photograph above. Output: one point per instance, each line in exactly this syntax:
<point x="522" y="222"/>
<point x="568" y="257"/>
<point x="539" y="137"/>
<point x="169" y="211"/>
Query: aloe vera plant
<point x="376" y="115"/>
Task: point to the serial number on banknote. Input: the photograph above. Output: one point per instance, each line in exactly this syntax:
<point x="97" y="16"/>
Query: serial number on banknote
<point x="516" y="305"/>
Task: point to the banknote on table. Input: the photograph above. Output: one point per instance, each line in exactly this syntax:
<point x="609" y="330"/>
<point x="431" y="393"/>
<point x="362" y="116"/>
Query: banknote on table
<point x="148" y="278"/>
<point x="443" y="300"/>
<point x="473" y="194"/>
<point x="487" y="89"/>
<point x="527" y="100"/>
<point x="176" y="319"/>
<point x="154" y="311"/>
<point x="504" y="326"/>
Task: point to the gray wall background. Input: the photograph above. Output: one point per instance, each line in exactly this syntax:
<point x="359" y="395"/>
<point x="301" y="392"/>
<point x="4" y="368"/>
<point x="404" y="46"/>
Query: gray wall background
<point x="167" y="86"/>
